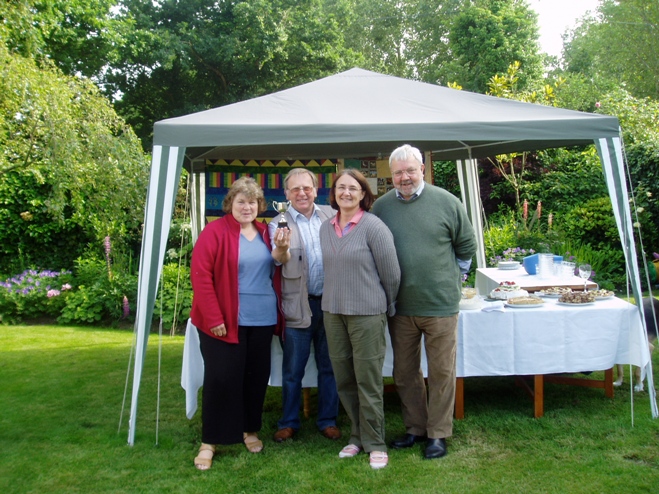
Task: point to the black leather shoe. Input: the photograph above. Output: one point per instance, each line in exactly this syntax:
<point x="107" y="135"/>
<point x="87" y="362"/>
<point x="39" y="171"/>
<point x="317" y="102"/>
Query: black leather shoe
<point x="435" y="448"/>
<point x="407" y="441"/>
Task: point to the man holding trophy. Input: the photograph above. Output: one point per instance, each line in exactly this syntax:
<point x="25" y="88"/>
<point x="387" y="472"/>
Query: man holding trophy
<point x="296" y="245"/>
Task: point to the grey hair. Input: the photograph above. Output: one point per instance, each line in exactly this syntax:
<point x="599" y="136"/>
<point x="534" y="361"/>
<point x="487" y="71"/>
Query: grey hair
<point x="300" y="171"/>
<point x="405" y="152"/>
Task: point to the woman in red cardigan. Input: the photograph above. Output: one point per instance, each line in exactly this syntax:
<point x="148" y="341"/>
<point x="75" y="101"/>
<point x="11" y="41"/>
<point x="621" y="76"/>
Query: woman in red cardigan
<point x="235" y="307"/>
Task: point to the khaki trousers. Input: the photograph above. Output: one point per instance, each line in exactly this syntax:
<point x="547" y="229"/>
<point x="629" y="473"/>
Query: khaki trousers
<point x="424" y="412"/>
<point x="357" y="346"/>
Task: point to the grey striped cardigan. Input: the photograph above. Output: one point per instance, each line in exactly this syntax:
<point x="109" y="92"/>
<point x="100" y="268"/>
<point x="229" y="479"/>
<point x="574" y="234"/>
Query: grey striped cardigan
<point x="361" y="269"/>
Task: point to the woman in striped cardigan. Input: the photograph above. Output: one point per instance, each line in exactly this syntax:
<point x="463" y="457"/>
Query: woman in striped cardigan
<point x="361" y="283"/>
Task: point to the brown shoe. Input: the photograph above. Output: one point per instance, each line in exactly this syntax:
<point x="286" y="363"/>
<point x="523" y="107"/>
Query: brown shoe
<point x="284" y="434"/>
<point x="332" y="432"/>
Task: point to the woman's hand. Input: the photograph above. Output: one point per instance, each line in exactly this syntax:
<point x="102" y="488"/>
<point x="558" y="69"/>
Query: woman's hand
<point x="220" y="330"/>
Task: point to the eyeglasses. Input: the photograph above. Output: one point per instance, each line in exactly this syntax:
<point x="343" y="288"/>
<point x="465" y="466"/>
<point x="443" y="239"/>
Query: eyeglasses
<point x="297" y="190"/>
<point x="343" y="188"/>
<point x="410" y="172"/>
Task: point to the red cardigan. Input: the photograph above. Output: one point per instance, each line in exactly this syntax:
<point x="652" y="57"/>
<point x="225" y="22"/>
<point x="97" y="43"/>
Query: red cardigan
<point x="214" y="276"/>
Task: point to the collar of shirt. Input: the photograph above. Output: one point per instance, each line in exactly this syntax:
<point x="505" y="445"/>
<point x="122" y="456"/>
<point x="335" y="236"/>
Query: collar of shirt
<point x="295" y="213"/>
<point x="414" y="196"/>
<point x="355" y="219"/>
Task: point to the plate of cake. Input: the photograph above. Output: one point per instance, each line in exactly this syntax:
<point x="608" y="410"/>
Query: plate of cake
<point x="554" y="291"/>
<point x="507" y="290"/>
<point x="602" y="294"/>
<point x="527" y="302"/>
<point x="577" y="298"/>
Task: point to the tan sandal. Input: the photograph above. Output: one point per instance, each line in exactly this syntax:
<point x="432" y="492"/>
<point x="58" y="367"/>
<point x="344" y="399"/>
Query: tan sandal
<point x="204" y="462"/>
<point x="252" y="442"/>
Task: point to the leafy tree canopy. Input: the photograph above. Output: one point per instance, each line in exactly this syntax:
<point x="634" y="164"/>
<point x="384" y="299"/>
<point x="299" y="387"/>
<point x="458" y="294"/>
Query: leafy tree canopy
<point x="181" y="57"/>
<point x="620" y="43"/>
<point x="78" y="36"/>
<point x="486" y="37"/>
<point x="60" y="138"/>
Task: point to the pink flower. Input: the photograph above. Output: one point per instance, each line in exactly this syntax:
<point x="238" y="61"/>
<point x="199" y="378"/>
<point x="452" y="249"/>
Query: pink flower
<point x="598" y="104"/>
<point x="52" y="293"/>
<point x="65" y="287"/>
<point x="108" y="245"/>
<point x="126" y="307"/>
<point x="550" y="219"/>
<point x="525" y="211"/>
<point x="108" y="249"/>
<point x="539" y="209"/>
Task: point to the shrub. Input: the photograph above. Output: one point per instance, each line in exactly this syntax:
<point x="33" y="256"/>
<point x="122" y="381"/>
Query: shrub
<point x="174" y="298"/>
<point x="445" y="175"/>
<point x="594" y="221"/>
<point x="644" y="171"/>
<point x="608" y="264"/>
<point x="506" y="233"/>
<point x="572" y="177"/>
<point x="99" y="294"/>
<point x="33" y="294"/>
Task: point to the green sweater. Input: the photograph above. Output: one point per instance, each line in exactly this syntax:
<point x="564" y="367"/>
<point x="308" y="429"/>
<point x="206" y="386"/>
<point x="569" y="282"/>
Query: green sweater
<point x="430" y="233"/>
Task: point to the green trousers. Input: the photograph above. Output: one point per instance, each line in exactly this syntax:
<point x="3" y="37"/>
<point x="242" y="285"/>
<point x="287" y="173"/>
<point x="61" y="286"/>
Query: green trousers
<point x="357" y="348"/>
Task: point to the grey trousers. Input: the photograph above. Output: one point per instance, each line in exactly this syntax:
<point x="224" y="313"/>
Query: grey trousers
<point x="424" y="413"/>
<point x="357" y="346"/>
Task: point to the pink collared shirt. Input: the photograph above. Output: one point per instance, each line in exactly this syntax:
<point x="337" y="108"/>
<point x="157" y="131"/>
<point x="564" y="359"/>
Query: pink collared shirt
<point x="355" y="219"/>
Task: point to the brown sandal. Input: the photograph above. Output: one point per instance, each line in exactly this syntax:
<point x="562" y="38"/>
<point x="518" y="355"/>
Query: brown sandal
<point x="252" y="442"/>
<point x="204" y="462"/>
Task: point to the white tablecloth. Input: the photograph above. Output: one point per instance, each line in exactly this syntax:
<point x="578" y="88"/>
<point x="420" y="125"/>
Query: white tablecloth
<point x="516" y="341"/>
<point x="550" y="339"/>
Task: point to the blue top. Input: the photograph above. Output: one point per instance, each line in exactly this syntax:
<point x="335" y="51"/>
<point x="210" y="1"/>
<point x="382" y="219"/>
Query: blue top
<point x="257" y="299"/>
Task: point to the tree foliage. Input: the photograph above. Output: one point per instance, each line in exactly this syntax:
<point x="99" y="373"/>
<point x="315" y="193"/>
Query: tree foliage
<point x="487" y="36"/>
<point x="71" y="171"/>
<point x="620" y="43"/>
<point x="77" y="36"/>
<point x="182" y="57"/>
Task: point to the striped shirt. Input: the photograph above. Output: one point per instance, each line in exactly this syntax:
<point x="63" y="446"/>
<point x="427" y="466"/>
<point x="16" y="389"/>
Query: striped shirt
<point x="309" y="231"/>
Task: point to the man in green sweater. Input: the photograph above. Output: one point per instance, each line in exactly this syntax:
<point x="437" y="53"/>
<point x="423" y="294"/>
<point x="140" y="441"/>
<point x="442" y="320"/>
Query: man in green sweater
<point x="434" y="243"/>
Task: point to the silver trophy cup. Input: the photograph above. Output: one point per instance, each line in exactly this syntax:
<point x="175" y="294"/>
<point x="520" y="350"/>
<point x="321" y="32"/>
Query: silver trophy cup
<point x="281" y="208"/>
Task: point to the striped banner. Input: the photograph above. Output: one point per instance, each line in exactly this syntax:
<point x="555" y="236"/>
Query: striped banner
<point x="224" y="180"/>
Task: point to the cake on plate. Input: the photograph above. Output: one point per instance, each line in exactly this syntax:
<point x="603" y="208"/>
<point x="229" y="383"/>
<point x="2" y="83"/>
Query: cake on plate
<point x="507" y="290"/>
<point x="530" y="300"/>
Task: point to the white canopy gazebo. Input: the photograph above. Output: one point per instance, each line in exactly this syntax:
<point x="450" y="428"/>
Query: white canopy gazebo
<point x="355" y="114"/>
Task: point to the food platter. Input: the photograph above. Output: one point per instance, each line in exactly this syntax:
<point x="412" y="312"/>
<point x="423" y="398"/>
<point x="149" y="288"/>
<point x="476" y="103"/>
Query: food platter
<point x="523" y="306"/>
<point x="548" y="295"/>
<point x="554" y="292"/>
<point x="571" y="304"/>
<point x="528" y="302"/>
<point x="603" y="294"/>
<point x="577" y="298"/>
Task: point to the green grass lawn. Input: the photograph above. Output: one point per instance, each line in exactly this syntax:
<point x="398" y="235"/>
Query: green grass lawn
<point x="61" y="391"/>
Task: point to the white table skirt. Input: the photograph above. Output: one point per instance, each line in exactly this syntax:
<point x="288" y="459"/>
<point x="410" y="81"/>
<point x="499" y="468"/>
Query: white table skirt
<point x="516" y="341"/>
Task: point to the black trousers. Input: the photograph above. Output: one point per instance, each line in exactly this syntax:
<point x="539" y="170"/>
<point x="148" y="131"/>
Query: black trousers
<point x="235" y="382"/>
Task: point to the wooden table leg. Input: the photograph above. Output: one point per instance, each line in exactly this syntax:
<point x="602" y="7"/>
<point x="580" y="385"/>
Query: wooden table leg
<point x="459" y="398"/>
<point x="305" y="402"/>
<point x="538" y="396"/>
<point x="608" y="382"/>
